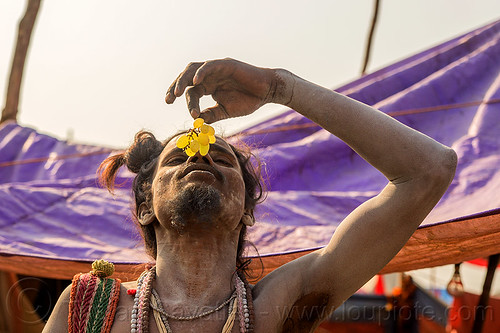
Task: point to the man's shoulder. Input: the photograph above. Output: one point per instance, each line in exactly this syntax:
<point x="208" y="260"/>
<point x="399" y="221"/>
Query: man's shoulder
<point x="127" y="293"/>
<point x="123" y="314"/>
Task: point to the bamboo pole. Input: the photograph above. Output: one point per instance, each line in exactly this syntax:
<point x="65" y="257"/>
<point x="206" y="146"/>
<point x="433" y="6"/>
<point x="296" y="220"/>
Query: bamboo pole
<point x="482" y="305"/>
<point x="370" y="37"/>
<point x="16" y="71"/>
<point x="15" y="311"/>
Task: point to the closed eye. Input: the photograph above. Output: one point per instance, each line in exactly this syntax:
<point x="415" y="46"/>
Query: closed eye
<point x="223" y="162"/>
<point x="175" y="160"/>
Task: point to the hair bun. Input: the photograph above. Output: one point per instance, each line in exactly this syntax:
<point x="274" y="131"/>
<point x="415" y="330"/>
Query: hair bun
<point x="144" y="149"/>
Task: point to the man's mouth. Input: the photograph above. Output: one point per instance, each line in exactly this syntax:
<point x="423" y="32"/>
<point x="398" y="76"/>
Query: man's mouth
<point x="202" y="168"/>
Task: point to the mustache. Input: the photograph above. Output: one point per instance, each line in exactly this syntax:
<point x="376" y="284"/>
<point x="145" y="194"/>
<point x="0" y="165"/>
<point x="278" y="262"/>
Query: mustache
<point x="205" y="167"/>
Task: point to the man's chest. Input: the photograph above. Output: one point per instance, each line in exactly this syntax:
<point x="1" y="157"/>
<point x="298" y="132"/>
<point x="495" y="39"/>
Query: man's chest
<point x="213" y="323"/>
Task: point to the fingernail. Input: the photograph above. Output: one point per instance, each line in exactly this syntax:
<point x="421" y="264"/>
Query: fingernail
<point x="194" y="113"/>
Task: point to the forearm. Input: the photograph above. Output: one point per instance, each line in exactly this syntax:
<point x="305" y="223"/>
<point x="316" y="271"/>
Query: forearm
<point x="398" y="151"/>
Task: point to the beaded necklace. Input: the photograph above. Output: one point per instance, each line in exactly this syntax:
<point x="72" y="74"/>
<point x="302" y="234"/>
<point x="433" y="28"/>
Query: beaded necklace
<point x="146" y="297"/>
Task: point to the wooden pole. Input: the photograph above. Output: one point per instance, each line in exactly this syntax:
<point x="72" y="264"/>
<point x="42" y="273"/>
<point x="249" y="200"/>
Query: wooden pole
<point x="16" y="72"/>
<point x="16" y="323"/>
<point x="482" y="305"/>
<point x="370" y="37"/>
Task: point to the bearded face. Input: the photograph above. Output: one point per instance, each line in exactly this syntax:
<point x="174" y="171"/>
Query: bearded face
<point x="195" y="204"/>
<point x="198" y="192"/>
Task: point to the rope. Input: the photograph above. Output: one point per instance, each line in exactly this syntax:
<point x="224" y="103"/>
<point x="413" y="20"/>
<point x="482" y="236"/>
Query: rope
<point x="55" y="158"/>
<point x="161" y="324"/>
<point x="392" y="114"/>
<point x="228" y="326"/>
<point x="72" y="297"/>
<point x="102" y="306"/>
<point x="85" y="286"/>
<point x="84" y="299"/>
<point x="93" y="303"/>
<point x="94" y="308"/>
<point x="112" y="305"/>
<point x="273" y="130"/>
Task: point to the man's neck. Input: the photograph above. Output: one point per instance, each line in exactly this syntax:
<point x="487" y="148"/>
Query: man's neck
<point x="195" y="268"/>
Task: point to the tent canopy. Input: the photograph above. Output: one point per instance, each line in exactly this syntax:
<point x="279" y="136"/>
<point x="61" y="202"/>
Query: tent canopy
<point x="54" y="219"/>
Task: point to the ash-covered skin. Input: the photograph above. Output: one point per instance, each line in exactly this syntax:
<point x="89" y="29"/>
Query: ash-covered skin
<point x="196" y="203"/>
<point x="196" y="193"/>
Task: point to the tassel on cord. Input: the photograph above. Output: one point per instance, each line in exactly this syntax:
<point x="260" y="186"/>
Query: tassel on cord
<point x="102" y="268"/>
<point x="228" y="327"/>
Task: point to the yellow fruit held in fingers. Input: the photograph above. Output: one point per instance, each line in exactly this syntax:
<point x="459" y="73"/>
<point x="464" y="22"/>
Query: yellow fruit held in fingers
<point x="197" y="139"/>
<point x="203" y="139"/>
<point x="198" y="122"/>
<point x="205" y="128"/>
<point x="211" y="130"/>
<point x="204" y="149"/>
<point x="182" y="141"/>
<point x="192" y="136"/>
<point x="194" y="145"/>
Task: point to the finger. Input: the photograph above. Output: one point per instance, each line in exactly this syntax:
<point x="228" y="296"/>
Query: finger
<point x="208" y="68"/>
<point x="170" y="97"/>
<point x="199" y="76"/>
<point x="193" y="95"/>
<point x="215" y="113"/>
<point x="186" y="78"/>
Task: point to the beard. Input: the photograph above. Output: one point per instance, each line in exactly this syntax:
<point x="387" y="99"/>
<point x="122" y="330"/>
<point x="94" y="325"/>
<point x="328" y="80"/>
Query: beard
<point x="195" y="205"/>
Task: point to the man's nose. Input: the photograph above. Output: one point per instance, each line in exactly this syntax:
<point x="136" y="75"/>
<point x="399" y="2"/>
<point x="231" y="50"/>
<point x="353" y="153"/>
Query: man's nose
<point x="198" y="158"/>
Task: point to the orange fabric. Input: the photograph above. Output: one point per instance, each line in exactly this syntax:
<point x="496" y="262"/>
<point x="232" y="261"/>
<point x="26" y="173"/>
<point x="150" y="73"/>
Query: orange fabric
<point x="436" y="245"/>
<point x="338" y="327"/>
<point x="483" y="262"/>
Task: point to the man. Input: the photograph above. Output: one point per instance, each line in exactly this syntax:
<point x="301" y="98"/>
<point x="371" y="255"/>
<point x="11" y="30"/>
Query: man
<point x="196" y="253"/>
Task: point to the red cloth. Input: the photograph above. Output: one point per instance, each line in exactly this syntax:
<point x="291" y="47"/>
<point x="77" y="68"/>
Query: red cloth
<point x="379" y="287"/>
<point x="463" y="311"/>
<point x="480" y="262"/>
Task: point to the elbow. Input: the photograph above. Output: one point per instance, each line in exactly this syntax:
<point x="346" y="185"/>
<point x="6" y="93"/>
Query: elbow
<point x="443" y="169"/>
<point x="449" y="165"/>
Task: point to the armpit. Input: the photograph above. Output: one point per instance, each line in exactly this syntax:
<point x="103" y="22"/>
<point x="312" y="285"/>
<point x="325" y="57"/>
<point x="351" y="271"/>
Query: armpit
<point x="306" y="313"/>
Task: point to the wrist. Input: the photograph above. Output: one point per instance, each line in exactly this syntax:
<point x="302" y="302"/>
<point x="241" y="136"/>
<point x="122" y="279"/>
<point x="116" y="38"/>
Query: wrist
<point x="281" y="87"/>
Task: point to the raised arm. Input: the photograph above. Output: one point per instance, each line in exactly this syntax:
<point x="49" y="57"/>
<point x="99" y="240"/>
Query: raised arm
<point x="418" y="170"/>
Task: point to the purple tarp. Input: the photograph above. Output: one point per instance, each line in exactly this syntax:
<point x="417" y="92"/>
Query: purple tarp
<point x="52" y="207"/>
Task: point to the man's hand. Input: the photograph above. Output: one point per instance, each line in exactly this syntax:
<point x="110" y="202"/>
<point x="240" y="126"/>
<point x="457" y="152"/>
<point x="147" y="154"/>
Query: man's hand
<point x="238" y="88"/>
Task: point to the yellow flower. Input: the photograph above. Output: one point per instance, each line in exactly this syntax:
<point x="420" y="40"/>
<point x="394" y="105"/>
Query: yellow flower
<point x="203" y="139"/>
<point x="182" y="141"/>
<point x="198" y="122"/>
<point x="197" y="139"/>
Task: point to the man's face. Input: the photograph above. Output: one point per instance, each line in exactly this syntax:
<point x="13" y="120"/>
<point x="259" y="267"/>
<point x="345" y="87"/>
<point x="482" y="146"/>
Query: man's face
<point x="198" y="191"/>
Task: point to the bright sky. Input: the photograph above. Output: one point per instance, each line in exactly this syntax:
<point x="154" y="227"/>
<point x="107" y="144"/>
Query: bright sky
<point x="100" y="69"/>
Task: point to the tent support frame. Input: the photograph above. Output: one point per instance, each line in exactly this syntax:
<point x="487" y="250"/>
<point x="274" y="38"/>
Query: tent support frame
<point x="482" y="305"/>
